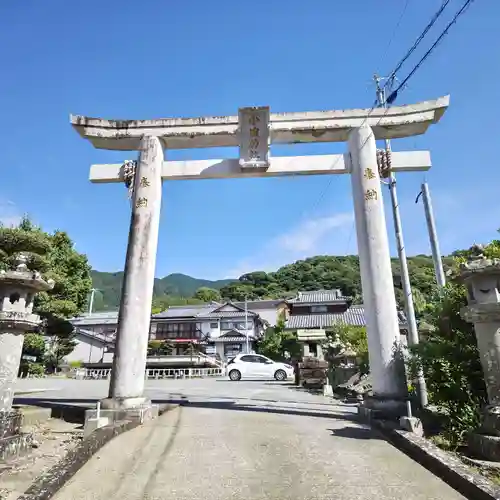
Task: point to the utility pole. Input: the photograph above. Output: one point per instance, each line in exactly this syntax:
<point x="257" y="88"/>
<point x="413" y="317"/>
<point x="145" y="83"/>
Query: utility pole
<point x="91" y="304"/>
<point x="246" y="324"/>
<point x="405" y="276"/>
<point x="431" y="228"/>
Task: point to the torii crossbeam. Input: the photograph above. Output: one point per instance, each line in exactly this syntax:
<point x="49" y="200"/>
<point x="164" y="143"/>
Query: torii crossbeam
<point x="254" y="129"/>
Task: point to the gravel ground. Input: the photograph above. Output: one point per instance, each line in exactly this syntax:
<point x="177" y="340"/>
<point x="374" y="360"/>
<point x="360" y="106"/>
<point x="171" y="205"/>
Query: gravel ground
<point x="52" y="440"/>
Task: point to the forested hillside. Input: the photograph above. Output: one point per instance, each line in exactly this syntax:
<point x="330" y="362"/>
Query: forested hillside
<point x="174" y="285"/>
<point x="327" y="272"/>
<point x="321" y="272"/>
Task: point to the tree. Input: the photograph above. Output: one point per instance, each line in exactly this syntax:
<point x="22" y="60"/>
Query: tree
<point x="279" y="344"/>
<point x="163" y="302"/>
<point x="341" y="337"/>
<point x="329" y="272"/>
<point x="33" y="347"/>
<point x="206" y="294"/>
<point x="450" y="361"/>
<point x="159" y="348"/>
<point x="54" y="256"/>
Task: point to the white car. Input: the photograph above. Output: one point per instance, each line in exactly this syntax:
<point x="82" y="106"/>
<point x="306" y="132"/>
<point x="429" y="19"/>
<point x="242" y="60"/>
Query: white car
<point x="257" y="366"/>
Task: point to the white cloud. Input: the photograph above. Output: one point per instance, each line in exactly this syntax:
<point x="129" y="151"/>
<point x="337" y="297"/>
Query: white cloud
<point x="328" y="234"/>
<point x="306" y="236"/>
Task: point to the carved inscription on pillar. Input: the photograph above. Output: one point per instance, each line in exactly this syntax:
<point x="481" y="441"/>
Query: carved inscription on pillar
<point x="371" y="184"/>
<point x="254" y="137"/>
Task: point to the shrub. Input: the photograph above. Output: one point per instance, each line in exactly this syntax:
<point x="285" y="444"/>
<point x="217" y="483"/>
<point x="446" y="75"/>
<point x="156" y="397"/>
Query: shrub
<point x="450" y="361"/>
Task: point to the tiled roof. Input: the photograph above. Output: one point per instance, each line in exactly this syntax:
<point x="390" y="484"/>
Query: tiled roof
<point x="355" y="316"/>
<point x="318" y="296"/>
<point x="232" y="339"/>
<point x="232" y="336"/>
<point x="229" y="314"/>
<point x="103" y="318"/>
<point x="200" y="312"/>
<point x="260" y="304"/>
<point x="99" y="337"/>
<point x="189" y="311"/>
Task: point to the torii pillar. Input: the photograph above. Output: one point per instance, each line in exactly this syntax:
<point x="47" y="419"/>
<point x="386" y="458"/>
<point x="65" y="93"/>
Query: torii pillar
<point x="360" y="127"/>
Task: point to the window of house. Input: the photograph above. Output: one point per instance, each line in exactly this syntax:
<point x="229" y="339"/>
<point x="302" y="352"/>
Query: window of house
<point x="214" y="325"/>
<point x="232" y="349"/>
<point x="319" y="309"/>
<point x="236" y="325"/>
<point x="313" y="349"/>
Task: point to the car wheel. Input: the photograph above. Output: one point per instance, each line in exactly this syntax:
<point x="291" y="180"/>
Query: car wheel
<point x="234" y="375"/>
<point x="280" y="375"/>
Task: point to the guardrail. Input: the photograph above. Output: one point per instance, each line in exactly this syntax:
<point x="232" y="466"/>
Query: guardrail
<point x="159" y="373"/>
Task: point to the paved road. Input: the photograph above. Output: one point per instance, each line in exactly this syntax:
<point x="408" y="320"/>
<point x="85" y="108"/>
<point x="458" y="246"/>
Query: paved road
<point x="197" y="391"/>
<point x="246" y="440"/>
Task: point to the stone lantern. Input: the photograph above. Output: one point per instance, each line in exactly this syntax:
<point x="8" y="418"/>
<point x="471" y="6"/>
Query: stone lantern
<point x="481" y="276"/>
<point x="17" y="290"/>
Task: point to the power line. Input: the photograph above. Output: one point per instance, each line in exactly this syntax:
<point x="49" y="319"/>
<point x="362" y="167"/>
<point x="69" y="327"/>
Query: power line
<point x="417" y="42"/>
<point x="394" y="94"/>
<point x="390" y="79"/>
<point x="398" y="23"/>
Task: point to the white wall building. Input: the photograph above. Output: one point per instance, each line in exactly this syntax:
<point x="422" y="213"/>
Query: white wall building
<point x="220" y="328"/>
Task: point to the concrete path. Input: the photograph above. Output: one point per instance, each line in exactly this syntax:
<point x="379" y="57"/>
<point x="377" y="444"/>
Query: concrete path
<point x="254" y="449"/>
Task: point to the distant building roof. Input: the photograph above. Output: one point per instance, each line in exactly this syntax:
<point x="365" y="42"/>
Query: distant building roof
<point x="261" y="304"/>
<point x="355" y="316"/>
<point x="232" y="336"/>
<point x="318" y="296"/>
<point x="98" y="318"/>
<point x="103" y="339"/>
<point x="204" y="311"/>
<point x="188" y="311"/>
<point x="231" y="314"/>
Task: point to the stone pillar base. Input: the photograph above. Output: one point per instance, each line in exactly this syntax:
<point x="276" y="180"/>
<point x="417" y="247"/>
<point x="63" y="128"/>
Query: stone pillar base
<point x="490" y="422"/>
<point x="115" y="411"/>
<point x="377" y="408"/>
<point x="412" y="424"/>
<point x="13" y="442"/>
<point x="124" y="403"/>
<point x="328" y="390"/>
<point x="484" y="446"/>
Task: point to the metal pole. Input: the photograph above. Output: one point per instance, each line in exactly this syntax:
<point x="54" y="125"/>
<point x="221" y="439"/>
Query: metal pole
<point x="405" y="276"/>
<point x="431" y="227"/>
<point x="91" y="305"/>
<point x="246" y="324"/>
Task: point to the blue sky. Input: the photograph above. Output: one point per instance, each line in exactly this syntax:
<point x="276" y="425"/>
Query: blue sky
<point x="153" y="58"/>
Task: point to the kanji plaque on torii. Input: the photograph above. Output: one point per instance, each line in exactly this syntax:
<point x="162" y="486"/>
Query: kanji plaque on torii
<point x="254" y="137"/>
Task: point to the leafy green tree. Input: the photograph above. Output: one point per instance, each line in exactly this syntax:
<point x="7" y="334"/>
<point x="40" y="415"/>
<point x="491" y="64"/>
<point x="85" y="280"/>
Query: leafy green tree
<point x="341" y="337"/>
<point x="55" y="257"/>
<point x="329" y="272"/>
<point x="33" y="346"/>
<point x="279" y="344"/>
<point x="163" y="302"/>
<point x="206" y="294"/>
<point x="159" y="348"/>
<point x="450" y="361"/>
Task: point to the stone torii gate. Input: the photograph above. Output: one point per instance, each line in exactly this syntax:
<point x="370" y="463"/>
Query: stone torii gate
<point x="253" y="130"/>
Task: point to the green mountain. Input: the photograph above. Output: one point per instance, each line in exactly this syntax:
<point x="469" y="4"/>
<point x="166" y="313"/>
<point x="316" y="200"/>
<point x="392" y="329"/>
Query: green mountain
<point x="314" y="273"/>
<point x="178" y="285"/>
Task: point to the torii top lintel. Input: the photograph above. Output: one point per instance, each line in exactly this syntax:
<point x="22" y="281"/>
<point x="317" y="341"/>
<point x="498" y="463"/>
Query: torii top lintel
<point x="285" y="128"/>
